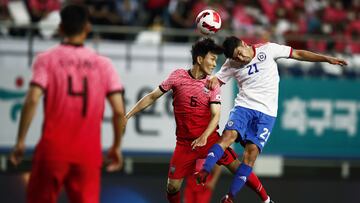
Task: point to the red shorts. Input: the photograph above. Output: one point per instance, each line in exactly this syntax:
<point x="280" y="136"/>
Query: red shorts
<point x="183" y="161"/>
<point x="81" y="182"/>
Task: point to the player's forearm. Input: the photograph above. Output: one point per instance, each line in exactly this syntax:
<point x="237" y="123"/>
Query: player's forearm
<point x="304" y="55"/>
<point x="26" y="117"/>
<point x="212" y="125"/>
<point x="118" y="126"/>
<point x="140" y="105"/>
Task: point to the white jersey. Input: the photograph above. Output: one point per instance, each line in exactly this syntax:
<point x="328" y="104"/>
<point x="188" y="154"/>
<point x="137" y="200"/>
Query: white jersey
<point x="258" y="81"/>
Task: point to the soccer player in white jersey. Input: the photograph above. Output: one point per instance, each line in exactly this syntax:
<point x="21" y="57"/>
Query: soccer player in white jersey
<point x="253" y="116"/>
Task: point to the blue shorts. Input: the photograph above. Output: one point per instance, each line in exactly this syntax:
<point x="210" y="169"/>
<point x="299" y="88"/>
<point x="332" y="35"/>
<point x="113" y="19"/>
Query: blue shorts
<point x="251" y="125"/>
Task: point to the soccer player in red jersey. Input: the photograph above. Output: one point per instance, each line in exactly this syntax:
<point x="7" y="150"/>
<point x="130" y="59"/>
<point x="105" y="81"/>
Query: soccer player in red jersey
<point x="197" y="114"/>
<point x="75" y="82"/>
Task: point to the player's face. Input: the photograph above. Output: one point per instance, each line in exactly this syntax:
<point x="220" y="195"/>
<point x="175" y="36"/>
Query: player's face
<point x="209" y="63"/>
<point x="241" y="54"/>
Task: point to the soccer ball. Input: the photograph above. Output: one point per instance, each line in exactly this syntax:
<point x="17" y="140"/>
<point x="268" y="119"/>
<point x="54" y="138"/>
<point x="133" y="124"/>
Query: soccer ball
<point x="208" y="22"/>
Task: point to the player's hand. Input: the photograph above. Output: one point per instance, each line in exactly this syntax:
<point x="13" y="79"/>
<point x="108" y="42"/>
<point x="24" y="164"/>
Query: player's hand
<point x="337" y="61"/>
<point x="212" y="82"/>
<point x="199" y="142"/>
<point x="17" y="154"/>
<point x="115" y="159"/>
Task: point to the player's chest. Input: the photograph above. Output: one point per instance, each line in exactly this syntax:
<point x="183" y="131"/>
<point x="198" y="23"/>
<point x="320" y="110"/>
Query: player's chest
<point x="191" y="91"/>
<point x="256" y="69"/>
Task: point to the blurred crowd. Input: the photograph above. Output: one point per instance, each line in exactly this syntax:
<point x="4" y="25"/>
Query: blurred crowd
<point x="333" y="24"/>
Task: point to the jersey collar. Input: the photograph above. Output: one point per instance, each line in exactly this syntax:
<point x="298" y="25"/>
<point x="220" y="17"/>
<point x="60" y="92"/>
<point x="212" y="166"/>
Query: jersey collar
<point x="72" y="44"/>
<point x="189" y="72"/>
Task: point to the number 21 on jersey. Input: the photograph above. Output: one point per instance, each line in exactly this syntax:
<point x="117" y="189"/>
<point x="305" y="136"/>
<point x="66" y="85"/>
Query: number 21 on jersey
<point x="252" y="69"/>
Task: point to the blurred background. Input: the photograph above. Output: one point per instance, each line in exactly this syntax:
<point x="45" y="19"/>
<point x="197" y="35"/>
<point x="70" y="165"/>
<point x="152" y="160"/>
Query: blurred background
<point x="313" y="154"/>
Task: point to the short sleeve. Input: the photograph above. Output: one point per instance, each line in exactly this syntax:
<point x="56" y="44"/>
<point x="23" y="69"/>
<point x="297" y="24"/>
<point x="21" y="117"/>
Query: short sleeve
<point x="40" y="72"/>
<point x="113" y="84"/>
<point x="215" y="95"/>
<point x="169" y="82"/>
<point x="280" y="51"/>
<point x="225" y="73"/>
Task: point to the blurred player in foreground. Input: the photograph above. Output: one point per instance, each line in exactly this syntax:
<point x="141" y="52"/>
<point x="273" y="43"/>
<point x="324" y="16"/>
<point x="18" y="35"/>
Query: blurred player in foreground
<point x="253" y="116"/>
<point x="195" y="193"/>
<point x="197" y="114"/>
<point x="75" y="82"/>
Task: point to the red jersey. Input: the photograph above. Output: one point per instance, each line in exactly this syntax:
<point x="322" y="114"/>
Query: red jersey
<point x="76" y="82"/>
<point x="191" y="101"/>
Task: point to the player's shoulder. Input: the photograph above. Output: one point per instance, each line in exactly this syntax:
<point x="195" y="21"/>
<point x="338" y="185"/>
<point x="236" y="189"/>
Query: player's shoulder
<point x="92" y="53"/>
<point x="102" y="61"/>
<point x="44" y="56"/>
<point x="261" y="45"/>
<point x="50" y="51"/>
<point x="267" y="46"/>
<point x="178" y="72"/>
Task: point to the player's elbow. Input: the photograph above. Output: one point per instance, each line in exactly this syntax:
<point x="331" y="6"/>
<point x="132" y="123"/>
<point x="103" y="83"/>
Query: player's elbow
<point x="297" y="54"/>
<point x="33" y="96"/>
<point x="216" y="117"/>
<point x="302" y="55"/>
<point x="153" y="96"/>
<point x="119" y="111"/>
<point x="31" y="100"/>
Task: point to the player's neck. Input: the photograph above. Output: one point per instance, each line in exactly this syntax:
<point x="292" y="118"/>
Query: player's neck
<point x="196" y="73"/>
<point x="76" y="40"/>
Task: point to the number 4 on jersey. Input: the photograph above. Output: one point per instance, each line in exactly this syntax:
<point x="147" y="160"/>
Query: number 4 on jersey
<point x="83" y="93"/>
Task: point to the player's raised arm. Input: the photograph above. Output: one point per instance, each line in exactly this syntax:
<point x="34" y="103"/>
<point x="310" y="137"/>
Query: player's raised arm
<point x="31" y="102"/>
<point x="303" y="55"/>
<point x="144" y="102"/>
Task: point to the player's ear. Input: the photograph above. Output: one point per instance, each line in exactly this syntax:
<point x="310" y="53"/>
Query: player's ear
<point x="199" y="59"/>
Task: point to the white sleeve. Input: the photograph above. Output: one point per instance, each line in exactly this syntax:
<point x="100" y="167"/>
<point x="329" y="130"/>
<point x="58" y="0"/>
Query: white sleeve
<point x="225" y="73"/>
<point x="280" y="51"/>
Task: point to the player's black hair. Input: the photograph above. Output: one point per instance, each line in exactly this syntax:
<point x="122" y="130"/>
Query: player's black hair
<point x="73" y="19"/>
<point x="203" y="47"/>
<point x="229" y="46"/>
